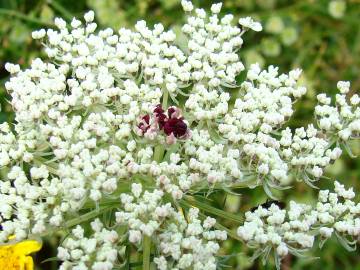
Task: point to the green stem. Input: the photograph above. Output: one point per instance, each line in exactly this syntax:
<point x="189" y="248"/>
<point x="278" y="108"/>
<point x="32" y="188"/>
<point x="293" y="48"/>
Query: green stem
<point x="75" y="221"/>
<point x="217" y="224"/>
<point x="165" y="99"/>
<point x="174" y="148"/>
<point x="88" y="216"/>
<point x="229" y="232"/>
<point x="159" y="153"/>
<point x="64" y="12"/>
<point x="190" y="201"/>
<point x="146" y="252"/>
<point x="19" y="15"/>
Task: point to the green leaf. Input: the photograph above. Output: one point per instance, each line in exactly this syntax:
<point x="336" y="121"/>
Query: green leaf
<point x="348" y="245"/>
<point x="51" y="259"/>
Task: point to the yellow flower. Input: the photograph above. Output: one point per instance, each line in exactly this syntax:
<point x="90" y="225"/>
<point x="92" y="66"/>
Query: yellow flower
<point x="14" y="256"/>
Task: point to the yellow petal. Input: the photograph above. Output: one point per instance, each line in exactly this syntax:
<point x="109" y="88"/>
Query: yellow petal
<point x="13" y="256"/>
<point x="9" y="260"/>
<point x="29" y="264"/>
<point x="26" y="247"/>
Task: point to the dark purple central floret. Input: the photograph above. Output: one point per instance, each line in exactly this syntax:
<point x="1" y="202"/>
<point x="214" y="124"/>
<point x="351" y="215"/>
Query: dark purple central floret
<point x="146" y="118"/>
<point x="144" y="124"/>
<point x="171" y="110"/>
<point x="176" y="126"/>
<point x="160" y="116"/>
<point x="171" y="122"/>
<point x="158" y="110"/>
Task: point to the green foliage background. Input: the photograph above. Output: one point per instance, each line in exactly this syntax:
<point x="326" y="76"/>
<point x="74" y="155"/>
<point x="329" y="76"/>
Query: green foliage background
<point x="320" y="36"/>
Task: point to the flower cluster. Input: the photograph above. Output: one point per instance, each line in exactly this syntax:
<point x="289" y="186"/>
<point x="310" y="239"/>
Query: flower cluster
<point x="183" y="242"/>
<point x="307" y="152"/>
<point x="213" y="60"/>
<point x="212" y="161"/>
<point x="190" y="243"/>
<point x="97" y="252"/>
<point x="294" y="230"/>
<point x="142" y="213"/>
<point x="266" y="104"/>
<point x="343" y="120"/>
<point x="257" y="118"/>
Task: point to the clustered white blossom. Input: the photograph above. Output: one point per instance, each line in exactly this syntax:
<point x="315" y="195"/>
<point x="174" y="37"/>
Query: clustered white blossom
<point x="183" y="242"/>
<point x="213" y="61"/>
<point x="342" y="121"/>
<point x="189" y="243"/>
<point x="294" y="230"/>
<point x="257" y="119"/>
<point x="97" y="252"/>
<point x="82" y="136"/>
<point x="143" y="212"/>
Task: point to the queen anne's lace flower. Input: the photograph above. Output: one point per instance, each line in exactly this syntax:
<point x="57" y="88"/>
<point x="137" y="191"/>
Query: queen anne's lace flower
<point x="294" y="230"/>
<point x="128" y="119"/>
<point x="189" y="244"/>
<point x="97" y="252"/>
<point x="248" y="22"/>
